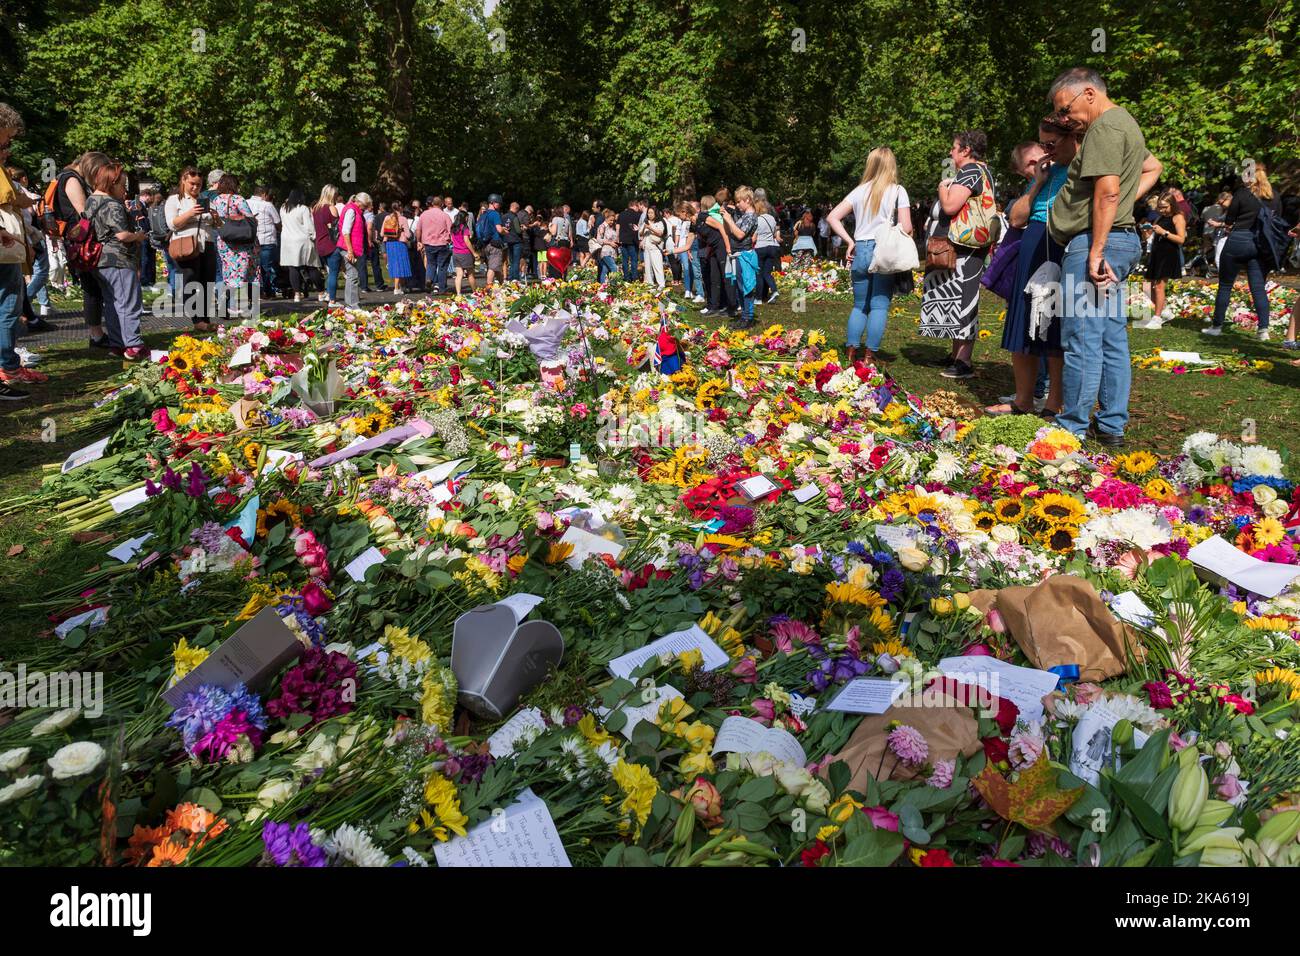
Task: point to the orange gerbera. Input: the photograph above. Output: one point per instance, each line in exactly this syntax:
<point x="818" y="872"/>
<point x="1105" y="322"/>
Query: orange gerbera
<point x="170" y="852"/>
<point x="190" y="816"/>
<point x="142" y="842"/>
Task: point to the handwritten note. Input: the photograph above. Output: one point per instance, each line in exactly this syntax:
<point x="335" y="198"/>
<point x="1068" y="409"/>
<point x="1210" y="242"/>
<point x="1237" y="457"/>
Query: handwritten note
<point x="895" y="537"/>
<point x="1023" y="686"/>
<point x="523" y="834"/>
<point x="1131" y="609"/>
<point x="758" y="486"/>
<point x="524" y="725"/>
<point x="867" y="695"/>
<point x="807" y="493"/>
<point x="1265" y="578"/>
<point x="84" y="456"/>
<point x="356" y="568"/>
<point x="744" y="735"/>
<point x="585" y="544"/>
<point x="647" y="710"/>
<point x="693" y="638"/>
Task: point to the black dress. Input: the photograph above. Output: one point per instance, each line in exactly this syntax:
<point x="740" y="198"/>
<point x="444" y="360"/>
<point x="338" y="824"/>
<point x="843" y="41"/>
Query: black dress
<point x="1165" y="261"/>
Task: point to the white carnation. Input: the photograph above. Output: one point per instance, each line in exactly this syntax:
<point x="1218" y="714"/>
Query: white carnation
<point x="354" y="846"/>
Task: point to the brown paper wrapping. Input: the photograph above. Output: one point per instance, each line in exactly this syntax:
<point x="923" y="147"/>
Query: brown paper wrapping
<point x="950" y="728"/>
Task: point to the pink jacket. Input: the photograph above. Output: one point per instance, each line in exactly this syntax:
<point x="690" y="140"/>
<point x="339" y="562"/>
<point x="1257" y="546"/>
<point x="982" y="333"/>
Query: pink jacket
<point x="353" y="241"/>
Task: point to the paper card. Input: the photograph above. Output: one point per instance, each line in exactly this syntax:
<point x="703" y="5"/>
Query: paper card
<point x="90" y="620"/>
<point x="1091" y="743"/>
<point x="802" y="705"/>
<point x="422" y="428"/>
<point x="128" y="500"/>
<point x="807" y="493"/>
<point x="586" y="544"/>
<point x="277" y="459"/>
<point x="1265" y="578"/>
<point x="251" y="656"/>
<point x="895" y="537"/>
<point x="648" y="710"/>
<point x="84" y="456"/>
<point x="1023" y="686"/>
<point x="521" y="604"/>
<point x="128" y="549"/>
<point x="527" y="723"/>
<point x="867" y="695"/>
<point x="1131" y="609"/>
<point x="157" y="355"/>
<point x="692" y="638"/>
<point x="241" y="356"/>
<point x="743" y="735"/>
<point x="523" y="834"/>
<point x="758" y="486"/>
<point x="717" y="524"/>
<point x="356" y="568"/>
<point x="438" y="473"/>
<point x="1188" y="358"/>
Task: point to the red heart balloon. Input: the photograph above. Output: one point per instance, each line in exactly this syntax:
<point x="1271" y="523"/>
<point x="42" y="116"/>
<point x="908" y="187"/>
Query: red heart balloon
<point x="559" y="258"/>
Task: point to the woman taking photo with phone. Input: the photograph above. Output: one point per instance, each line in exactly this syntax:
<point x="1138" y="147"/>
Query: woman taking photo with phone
<point x="1169" y="232"/>
<point x="193" y="247"/>
<point x="653" y="233"/>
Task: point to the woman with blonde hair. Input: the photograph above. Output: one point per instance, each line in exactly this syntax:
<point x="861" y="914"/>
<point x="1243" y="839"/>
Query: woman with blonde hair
<point x="874" y="203"/>
<point x="1165" y="261"/>
<point x="1240" y="251"/>
<point x="325" y="222"/>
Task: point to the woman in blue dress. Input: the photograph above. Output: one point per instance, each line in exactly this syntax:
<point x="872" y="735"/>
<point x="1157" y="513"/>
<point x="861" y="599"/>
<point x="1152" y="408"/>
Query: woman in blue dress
<point x="1036" y="247"/>
<point x="394" y="229"/>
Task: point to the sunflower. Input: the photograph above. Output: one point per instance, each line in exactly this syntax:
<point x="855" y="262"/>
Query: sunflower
<point x="853" y="594"/>
<point x="284" y="508"/>
<point x="1136" y="463"/>
<point x="985" y="520"/>
<point x="1059" y="538"/>
<point x="178" y="361"/>
<point x="1282" y="677"/>
<point x="1009" y="510"/>
<point x="893" y="647"/>
<point x="1157" y="489"/>
<point x="1056" y="509"/>
<point x="920" y="504"/>
<point x="1268" y="531"/>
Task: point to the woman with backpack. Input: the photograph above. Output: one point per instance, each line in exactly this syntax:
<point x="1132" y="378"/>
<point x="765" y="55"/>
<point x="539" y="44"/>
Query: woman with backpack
<point x="71" y="190"/>
<point x="325" y="222"/>
<point x="236" y="242"/>
<point x="118" y="269"/>
<point x="193" y="247"/>
<point x="1241" y="252"/>
<point x="394" y="228"/>
<point x="297" y="241"/>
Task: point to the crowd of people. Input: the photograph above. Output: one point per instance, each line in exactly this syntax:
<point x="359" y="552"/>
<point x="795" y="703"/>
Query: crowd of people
<point x="1060" y="252"/>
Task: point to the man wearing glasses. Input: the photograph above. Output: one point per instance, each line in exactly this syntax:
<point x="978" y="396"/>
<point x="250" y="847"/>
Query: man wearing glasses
<point x="1092" y="217"/>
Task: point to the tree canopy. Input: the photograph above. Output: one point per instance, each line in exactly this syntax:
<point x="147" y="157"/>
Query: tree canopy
<point x="561" y="99"/>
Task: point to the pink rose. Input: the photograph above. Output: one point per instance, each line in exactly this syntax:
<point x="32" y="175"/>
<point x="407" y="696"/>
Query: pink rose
<point x="1228" y="787"/>
<point x="1086" y="693"/>
<point x="765" y="708"/>
<point x="994" y="620"/>
<point x="746" y="671"/>
<point x="881" y="818"/>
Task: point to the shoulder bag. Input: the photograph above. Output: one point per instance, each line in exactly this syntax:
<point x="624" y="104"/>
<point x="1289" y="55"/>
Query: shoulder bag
<point x="895" y="249"/>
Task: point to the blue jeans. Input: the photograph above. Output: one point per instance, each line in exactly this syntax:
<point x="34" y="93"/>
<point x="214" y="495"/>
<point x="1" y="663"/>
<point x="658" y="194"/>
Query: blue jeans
<point x="1094" y="336"/>
<point x="628" y="252"/>
<point x="11" y="309"/>
<point x="692" y="278"/>
<point x="268" y="256"/>
<point x="1239" y="253"/>
<point x="332" y="263"/>
<point x="872" y="292"/>
<point x="516" y="251"/>
<point x="605" y="268"/>
<point x="36" y="290"/>
<point x="174" y="276"/>
<point x="376" y="266"/>
<point x="436" y="260"/>
<point x="1041" y="383"/>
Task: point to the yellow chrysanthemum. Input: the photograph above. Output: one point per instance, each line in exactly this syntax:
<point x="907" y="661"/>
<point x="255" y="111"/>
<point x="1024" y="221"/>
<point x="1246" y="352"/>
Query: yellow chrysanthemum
<point x="401" y="643"/>
<point x="186" y="658"/>
<point x="438" y="699"/>
<point x="440" y="794"/>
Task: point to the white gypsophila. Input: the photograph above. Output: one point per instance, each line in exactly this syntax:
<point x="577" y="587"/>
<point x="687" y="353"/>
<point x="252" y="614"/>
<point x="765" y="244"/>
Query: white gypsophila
<point x="75" y="760"/>
<point x="352" y="845"/>
<point x="20" y="788"/>
<point x="1259" y="460"/>
<point x="56" y="721"/>
<point x="11" y="760"/>
<point x="413" y="857"/>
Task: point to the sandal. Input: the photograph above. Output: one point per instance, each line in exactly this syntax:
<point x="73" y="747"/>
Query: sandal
<point x="994" y="411"/>
<point x="1048" y="415"/>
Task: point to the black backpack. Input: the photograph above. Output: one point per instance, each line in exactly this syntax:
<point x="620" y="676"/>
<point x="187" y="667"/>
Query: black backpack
<point x="1271" y="239"/>
<point x="159" y="232"/>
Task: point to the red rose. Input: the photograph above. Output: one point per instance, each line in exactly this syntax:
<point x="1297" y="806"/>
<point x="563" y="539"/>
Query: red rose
<point x="936" y="857"/>
<point x="879" y="456"/>
<point x="995" y="750"/>
<point x="811" y="856"/>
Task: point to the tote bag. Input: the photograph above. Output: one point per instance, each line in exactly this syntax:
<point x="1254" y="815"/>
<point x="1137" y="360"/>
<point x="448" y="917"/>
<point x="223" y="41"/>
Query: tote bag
<point x="895" y="249"/>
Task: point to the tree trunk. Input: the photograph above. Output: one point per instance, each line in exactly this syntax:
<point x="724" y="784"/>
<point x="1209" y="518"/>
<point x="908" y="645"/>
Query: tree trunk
<point x="394" y="180"/>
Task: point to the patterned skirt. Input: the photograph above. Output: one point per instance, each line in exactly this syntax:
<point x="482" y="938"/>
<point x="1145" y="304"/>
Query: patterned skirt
<point x="950" y="298"/>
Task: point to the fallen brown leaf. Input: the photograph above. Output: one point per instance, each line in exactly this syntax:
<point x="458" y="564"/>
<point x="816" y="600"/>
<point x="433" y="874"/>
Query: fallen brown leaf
<point x="14" y="551"/>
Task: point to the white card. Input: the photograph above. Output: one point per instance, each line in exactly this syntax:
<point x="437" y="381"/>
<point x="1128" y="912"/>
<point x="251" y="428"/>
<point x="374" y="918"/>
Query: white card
<point x="868" y="695"/>
<point x="91" y="619"/>
<point x="1023" y="686"/>
<point x="522" y="834"/>
<point x="1091" y="741"/>
<point x="744" y="735"/>
<point x="128" y="500"/>
<point x="806" y="493"/>
<point x="84" y="456"/>
<point x="636" y="713"/>
<point x="521" y="604"/>
<point x="356" y="568"/>
<point x="802" y="705"/>
<point x="241" y="356"/>
<point x="277" y="458"/>
<point x="1188" y="358"/>
<point x="895" y="537"/>
<point x="758" y="486"/>
<point x="128" y="549"/>
<point x="694" y="637"/>
<point x="1262" y="577"/>
<point x="157" y="355"/>
<point x="439" y="473"/>
<point x="586" y="544"/>
<point x="502" y="743"/>
<point x="1131" y="609"/>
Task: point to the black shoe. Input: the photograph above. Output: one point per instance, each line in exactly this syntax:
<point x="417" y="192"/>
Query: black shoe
<point x="40" y="325"/>
<point x="945" y="362"/>
<point x="100" y="343"/>
<point x="11" y="393"/>
<point x="1105" y="439"/>
<point x="958" y="370"/>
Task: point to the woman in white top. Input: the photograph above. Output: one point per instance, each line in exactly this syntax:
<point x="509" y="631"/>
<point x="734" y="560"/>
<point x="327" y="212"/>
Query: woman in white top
<point x="767" y="246"/>
<point x="653" y="234"/>
<point x="873" y="203"/>
<point x="192" y="218"/>
<point x="297" y="240"/>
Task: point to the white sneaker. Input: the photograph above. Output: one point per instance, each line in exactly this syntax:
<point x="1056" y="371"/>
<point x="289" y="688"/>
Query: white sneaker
<point x="699" y="298"/>
<point x="775" y="296"/>
<point x="322" y="297"/>
<point x="1262" y="335"/>
<point x="27" y="357"/>
<point x="1152" y="323"/>
<point x="1212" y="331"/>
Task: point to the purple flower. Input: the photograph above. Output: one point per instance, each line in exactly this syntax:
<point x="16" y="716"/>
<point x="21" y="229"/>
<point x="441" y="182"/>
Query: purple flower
<point x="171" y="480"/>
<point x="208" y="536"/>
<point x="908" y="745"/>
<point x="199" y="713"/>
<point x="197" y="484"/>
<point x="941" y="778"/>
<point x="291" y="845"/>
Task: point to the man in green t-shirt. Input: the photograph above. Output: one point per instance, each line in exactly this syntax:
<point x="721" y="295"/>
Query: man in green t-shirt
<point x="1092" y="217"/>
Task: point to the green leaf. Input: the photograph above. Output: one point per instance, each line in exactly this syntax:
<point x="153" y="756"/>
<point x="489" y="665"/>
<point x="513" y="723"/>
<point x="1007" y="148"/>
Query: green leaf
<point x="839" y="775"/>
<point x="757" y="789"/>
<point x="1149" y="819"/>
<point x="875" y="848"/>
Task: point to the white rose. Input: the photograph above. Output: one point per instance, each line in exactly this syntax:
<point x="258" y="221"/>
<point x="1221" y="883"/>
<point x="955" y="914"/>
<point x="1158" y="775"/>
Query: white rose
<point x="913" y="559"/>
<point x="963" y="523"/>
<point x="13" y="759"/>
<point x="275" y="791"/>
<point x="1276" y="508"/>
<point x="816" y="796"/>
<point x="77" y="759"/>
<point x="20" y="788"/>
<point x="1004" y="534"/>
<point x="1263" y="494"/>
<point x="56" y="721"/>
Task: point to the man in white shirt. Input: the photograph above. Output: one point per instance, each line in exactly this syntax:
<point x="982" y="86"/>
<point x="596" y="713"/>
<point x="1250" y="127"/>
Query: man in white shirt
<point x="268" y="238"/>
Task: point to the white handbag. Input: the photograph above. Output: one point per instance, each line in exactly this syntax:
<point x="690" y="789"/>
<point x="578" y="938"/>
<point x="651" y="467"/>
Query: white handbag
<point x="1044" y="299"/>
<point x="895" y="249"/>
<point x="11" y="224"/>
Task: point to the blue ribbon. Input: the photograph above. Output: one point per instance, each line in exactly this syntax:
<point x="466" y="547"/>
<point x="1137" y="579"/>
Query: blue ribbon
<point x="1068" y="674"/>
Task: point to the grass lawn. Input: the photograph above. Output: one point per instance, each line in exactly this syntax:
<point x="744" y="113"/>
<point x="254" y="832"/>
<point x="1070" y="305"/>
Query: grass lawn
<point x="36" y="556"/>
